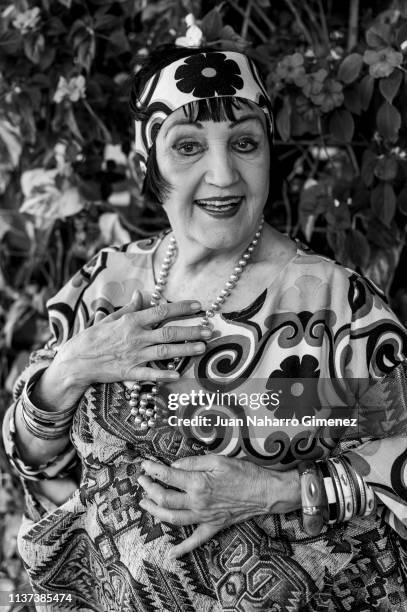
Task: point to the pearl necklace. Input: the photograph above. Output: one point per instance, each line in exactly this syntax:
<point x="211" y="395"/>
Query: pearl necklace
<point x="143" y="403"/>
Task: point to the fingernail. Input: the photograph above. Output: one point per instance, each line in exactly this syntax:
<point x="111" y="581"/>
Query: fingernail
<point x="170" y="376"/>
<point x="141" y="503"/>
<point x="195" y="306"/>
<point x="200" y="347"/>
<point x="206" y="333"/>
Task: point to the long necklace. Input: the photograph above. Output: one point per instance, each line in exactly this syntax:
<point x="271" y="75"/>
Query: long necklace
<point x="143" y="394"/>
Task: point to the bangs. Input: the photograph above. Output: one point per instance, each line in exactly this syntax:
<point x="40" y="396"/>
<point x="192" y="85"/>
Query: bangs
<point x="216" y="109"/>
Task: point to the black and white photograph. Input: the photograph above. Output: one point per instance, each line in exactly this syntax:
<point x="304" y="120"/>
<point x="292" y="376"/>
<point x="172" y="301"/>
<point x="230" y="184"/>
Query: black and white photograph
<point x="203" y="306"/>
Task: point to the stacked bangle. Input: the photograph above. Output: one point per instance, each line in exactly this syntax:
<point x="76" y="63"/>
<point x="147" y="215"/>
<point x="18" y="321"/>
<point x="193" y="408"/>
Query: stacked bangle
<point x="347" y="494"/>
<point x="330" y="493"/>
<point x="348" y="500"/>
<point x="44" y="424"/>
<point x="313" y="498"/>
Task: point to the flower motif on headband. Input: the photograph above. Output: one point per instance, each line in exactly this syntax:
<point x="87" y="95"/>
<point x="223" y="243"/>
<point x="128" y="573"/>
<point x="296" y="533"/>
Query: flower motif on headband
<point x="206" y="76"/>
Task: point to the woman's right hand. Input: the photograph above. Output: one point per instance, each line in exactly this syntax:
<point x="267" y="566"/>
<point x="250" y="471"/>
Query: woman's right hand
<point x="117" y="349"/>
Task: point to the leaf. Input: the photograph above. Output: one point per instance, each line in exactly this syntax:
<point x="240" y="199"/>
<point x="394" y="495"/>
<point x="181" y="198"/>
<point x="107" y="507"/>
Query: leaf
<point x="34" y="45"/>
<point x="112" y="231"/>
<point x="402" y="201"/>
<point x="55" y="27"/>
<point x="386" y="168"/>
<point x="86" y="52"/>
<point x="336" y="241"/>
<point x="119" y="40"/>
<point x="352" y="99"/>
<point x="350" y="68"/>
<point x="18" y="315"/>
<point x="390" y="85"/>
<point x="66" y="3"/>
<point x="211" y="25"/>
<point x="10" y="42"/>
<point x="369" y="160"/>
<point x="357" y="248"/>
<point x="401" y="36"/>
<point x="107" y="22"/>
<point x="53" y="204"/>
<point x="26" y="105"/>
<point x="283" y="120"/>
<point x="314" y="200"/>
<point x="366" y="87"/>
<point x="380" y="235"/>
<point x="72" y="124"/>
<point x="11" y="136"/>
<point x="341" y="125"/>
<point x="378" y="36"/>
<point x="383" y="203"/>
<point x="388" y="121"/>
<point x="47" y="58"/>
<point x="338" y="216"/>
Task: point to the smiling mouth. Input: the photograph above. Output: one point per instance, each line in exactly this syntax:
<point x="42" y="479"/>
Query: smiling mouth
<point x="219" y="204"/>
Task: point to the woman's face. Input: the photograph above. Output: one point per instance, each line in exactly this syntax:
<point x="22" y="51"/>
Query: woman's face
<point x="219" y="173"/>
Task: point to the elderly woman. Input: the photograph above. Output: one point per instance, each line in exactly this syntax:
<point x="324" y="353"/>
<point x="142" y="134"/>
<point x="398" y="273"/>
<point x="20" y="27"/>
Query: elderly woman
<point x="185" y="382"/>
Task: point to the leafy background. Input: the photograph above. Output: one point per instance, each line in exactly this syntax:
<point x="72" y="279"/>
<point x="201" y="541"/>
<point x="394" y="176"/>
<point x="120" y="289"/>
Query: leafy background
<point x="68" y="181"/>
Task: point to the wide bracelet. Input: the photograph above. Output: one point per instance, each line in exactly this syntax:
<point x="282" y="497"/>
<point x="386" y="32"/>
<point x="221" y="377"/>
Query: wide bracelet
<point x="313" y="498"/>
<point x="330" y="493"/>
<point x="44" y="424"/>
<point x="344" y="484"/>
<point x="347" y="493"/>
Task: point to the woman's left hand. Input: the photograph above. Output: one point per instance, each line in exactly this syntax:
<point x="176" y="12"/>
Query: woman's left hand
<point x="215" y="492"/>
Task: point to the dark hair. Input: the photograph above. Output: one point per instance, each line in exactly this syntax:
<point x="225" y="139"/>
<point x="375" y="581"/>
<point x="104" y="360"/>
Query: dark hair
<point x="155" y="187"/>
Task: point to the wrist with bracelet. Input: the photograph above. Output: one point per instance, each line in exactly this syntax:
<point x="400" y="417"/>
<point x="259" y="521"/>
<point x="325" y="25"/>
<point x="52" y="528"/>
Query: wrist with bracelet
<point x="332" y="492"/>
<point x="44" y="424"/>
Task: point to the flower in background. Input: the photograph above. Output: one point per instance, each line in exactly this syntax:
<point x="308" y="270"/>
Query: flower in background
<point x="305" y="108"/>
<point x="27" y="20"/>
<point x="193" y="36"/>
<point x="314" y="83"/>
<point x="382" y="63"/>
<point x="74" y="89"/>
<point x="291" y="70"/>
<point x="330" y="97"/>
<point x="44" y="198"/>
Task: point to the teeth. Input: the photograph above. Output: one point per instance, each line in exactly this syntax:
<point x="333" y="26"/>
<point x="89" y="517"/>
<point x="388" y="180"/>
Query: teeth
<point x="219" y="203"/>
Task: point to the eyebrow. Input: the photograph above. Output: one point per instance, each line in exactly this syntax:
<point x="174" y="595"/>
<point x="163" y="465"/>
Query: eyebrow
<point x="200" y="126"/>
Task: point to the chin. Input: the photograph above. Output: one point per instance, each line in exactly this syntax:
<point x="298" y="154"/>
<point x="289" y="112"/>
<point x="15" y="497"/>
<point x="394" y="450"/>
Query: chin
<point x="223" y="240"/>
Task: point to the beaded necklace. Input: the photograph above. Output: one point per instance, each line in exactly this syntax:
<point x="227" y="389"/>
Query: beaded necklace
<point x="143" y="403"/>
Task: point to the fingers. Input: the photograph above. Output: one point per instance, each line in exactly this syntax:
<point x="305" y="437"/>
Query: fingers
<point x="197" y="463"/>
<point x="161" y="312"/>
<point x="166" y="498"/>
<point x="175" y="517"/>
<point x="167" y="475"/>
<point x="160" y="352"/>
<point x="203" y="533"/>
<point x="135" y="304"/>
<point x="173" y="333"/>
<point x="152" y="374"/>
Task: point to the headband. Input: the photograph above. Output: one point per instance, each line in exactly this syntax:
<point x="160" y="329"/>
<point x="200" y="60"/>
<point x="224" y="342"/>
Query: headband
<point x="197" y="77"/>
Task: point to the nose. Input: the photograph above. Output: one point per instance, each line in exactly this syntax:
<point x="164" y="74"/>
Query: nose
<point x="221" y="170"/>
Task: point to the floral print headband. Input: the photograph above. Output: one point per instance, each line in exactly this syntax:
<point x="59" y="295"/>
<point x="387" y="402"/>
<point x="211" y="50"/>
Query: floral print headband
<point x="205" y="75"/>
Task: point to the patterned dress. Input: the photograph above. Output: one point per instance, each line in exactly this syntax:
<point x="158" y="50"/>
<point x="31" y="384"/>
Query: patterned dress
<point x="317" y="323"/>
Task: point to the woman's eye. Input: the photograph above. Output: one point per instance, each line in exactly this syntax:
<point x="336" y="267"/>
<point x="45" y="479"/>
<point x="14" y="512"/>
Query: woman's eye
<point x="245" y="145"/>
<point x="189" y="148"/>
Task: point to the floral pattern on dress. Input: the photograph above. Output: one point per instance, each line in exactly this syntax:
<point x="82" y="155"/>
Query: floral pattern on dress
<point x="297" y="398"/>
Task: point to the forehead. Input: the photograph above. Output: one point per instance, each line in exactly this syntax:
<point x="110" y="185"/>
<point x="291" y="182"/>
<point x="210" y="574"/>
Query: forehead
<point x="242" y="112"/>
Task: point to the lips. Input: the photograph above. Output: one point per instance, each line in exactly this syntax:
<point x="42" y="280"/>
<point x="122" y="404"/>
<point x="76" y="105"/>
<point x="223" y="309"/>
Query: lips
<point x="220" y="204"/>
